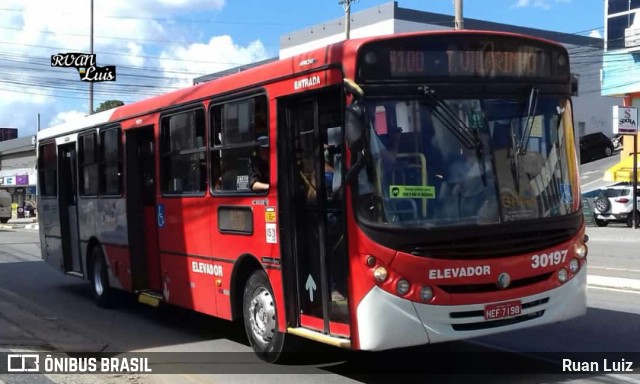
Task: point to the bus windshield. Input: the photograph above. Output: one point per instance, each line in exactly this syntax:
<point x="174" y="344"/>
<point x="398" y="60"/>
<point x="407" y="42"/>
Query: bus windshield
<point x="512" y="163"/>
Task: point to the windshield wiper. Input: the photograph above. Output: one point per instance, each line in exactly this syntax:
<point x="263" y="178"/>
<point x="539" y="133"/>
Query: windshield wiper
<point x="451" y="121"/>
<point x="520" y="146"/>
<point x="521" y="149"/>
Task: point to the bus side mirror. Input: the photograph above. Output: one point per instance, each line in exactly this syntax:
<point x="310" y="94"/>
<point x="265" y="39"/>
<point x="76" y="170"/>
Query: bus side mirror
<point x="355" y="115"/>
<point x="574" y="84"/>
<point x="354" y="126"/>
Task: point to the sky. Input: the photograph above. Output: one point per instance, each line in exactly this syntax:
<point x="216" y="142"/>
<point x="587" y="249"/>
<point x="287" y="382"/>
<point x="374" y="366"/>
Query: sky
<point x="160" y="45"/>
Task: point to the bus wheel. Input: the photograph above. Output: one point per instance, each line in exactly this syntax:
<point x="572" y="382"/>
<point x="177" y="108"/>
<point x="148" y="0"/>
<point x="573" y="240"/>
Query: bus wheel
<point x="261" y="319"/>
<point x="100" y="279"/>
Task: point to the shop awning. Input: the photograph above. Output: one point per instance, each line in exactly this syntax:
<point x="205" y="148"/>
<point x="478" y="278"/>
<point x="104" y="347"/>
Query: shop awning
<point x="623" y="171"/>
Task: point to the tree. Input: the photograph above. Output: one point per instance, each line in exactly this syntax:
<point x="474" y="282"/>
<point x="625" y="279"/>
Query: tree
<point x="108" y="104"/>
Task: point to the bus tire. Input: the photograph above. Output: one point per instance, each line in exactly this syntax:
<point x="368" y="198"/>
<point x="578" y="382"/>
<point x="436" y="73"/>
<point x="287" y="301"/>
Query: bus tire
<point x="261" y="319"/>
<point x="102" y="292"/>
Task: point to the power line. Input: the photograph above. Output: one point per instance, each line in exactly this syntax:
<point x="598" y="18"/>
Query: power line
<point x="185" y="20"/>
<point x="67" y="49"/>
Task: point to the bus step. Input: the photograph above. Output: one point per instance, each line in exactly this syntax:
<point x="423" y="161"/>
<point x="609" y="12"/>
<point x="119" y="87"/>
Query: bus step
<point x="151" y="298"/>
<point x="320" y="337"/>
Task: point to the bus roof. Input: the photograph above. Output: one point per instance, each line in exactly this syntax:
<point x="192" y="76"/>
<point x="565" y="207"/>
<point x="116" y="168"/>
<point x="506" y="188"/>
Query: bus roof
<point x="335" y="53"/>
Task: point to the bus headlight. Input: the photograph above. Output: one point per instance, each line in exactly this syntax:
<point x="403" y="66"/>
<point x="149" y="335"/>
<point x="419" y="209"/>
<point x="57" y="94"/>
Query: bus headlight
<point x="403" y="286"/>
<point x="380" y="274"/>
<point x="574" y="265"/>
<point x="563" y="275"/>
<point x="426" y="294"/>
<point x="582" y="251"/>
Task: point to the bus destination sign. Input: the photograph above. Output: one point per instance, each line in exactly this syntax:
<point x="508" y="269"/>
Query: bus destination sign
<point x="529" y="62"/>
<point x="462" y="56"/>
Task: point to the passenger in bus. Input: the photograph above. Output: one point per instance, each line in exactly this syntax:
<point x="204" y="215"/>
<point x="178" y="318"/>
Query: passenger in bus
<point x="468" y="192"/>
<point x="309" y="180"/>
<point x="391" y="141"/>
<point x="259" y="174"/>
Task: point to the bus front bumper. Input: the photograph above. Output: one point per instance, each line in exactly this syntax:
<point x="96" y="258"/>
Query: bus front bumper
<point x="386" y="321"/>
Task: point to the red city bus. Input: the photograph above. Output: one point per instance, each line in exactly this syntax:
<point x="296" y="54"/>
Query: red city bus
<point x="377" y="193"/>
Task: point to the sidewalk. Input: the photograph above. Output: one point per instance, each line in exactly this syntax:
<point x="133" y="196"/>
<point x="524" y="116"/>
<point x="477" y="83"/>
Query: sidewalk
<point x="614" y="233"/>
<point x="611" y="264"/>
<point x="27" y="223"/>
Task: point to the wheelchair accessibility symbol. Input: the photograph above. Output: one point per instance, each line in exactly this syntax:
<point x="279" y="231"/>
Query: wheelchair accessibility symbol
<point x="160" y="218"/>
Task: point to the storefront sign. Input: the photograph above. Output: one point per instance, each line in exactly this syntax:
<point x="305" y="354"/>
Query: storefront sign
<point x="625" y="120"/>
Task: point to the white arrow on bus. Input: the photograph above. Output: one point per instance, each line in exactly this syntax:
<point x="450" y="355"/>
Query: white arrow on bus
<point x="310" y="286"/>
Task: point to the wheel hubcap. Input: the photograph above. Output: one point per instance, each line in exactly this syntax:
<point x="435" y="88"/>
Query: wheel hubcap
<point x="262" y="316"/>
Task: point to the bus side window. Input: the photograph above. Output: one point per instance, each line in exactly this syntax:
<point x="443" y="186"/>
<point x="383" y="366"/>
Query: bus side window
<point x="236" y="127"/>
<point x="183" y="156"/>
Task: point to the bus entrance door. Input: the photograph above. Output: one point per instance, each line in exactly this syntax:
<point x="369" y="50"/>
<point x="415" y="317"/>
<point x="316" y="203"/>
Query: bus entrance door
<point x="141" y="209"/>
<point x="68" y="203"/>
<point x="314" y="244"/>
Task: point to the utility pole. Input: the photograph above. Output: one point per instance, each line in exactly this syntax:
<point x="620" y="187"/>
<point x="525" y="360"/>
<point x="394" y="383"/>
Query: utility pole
<point x="458" y="21"/>
<point x="38" y="122"/>
<point x="347" y="16"/>
<point x="91" y="49"/>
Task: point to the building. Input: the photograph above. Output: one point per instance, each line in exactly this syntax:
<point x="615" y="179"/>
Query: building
<point x="621" y="71"/>
<point x="592" y="111"/>
<point x="18" y="169"/>
<point x="8" y="133"/>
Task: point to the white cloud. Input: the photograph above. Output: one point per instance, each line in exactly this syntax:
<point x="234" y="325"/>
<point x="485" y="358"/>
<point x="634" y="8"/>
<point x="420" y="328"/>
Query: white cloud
<point x="68" y="116"/>
<point x="543" y="4"/>
<point x="595" y="33"/>
<point x="34" y="30"/>
<point x="218" y="54"/>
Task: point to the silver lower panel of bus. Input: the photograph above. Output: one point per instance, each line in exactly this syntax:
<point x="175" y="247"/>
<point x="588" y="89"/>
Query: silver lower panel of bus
<point x="387" y="321"/>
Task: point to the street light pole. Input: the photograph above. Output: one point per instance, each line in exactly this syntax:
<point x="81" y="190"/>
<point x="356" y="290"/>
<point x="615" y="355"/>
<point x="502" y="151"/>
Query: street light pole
<point x="634" y="195"/>
<point x="347" y="16"/>
<point x="458" y="21"/>
<point x="91" y="52"/>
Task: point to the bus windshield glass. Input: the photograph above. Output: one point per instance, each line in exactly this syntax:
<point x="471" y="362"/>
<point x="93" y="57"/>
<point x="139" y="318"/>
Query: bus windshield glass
<point x="514" y="161"/>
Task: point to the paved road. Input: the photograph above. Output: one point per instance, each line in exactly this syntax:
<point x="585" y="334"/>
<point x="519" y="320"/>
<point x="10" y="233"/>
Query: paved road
<point x="69" y="321"/>
<point x="592" y="173"/>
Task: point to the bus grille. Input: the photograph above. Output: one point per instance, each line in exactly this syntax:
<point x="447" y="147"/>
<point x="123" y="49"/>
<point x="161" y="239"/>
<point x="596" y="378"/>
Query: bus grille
<point x="484" y="288"/>
<point x="496" y="323"/>
<point x="492" y="246"/>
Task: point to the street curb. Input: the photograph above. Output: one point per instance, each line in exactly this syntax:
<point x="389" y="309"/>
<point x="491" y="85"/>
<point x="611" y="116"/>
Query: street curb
<point x="613" y="282"/>
<point x="35" y="226"/>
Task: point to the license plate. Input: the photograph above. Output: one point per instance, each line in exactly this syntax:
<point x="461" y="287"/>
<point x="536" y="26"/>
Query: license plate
<point x="502" y="310"/>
